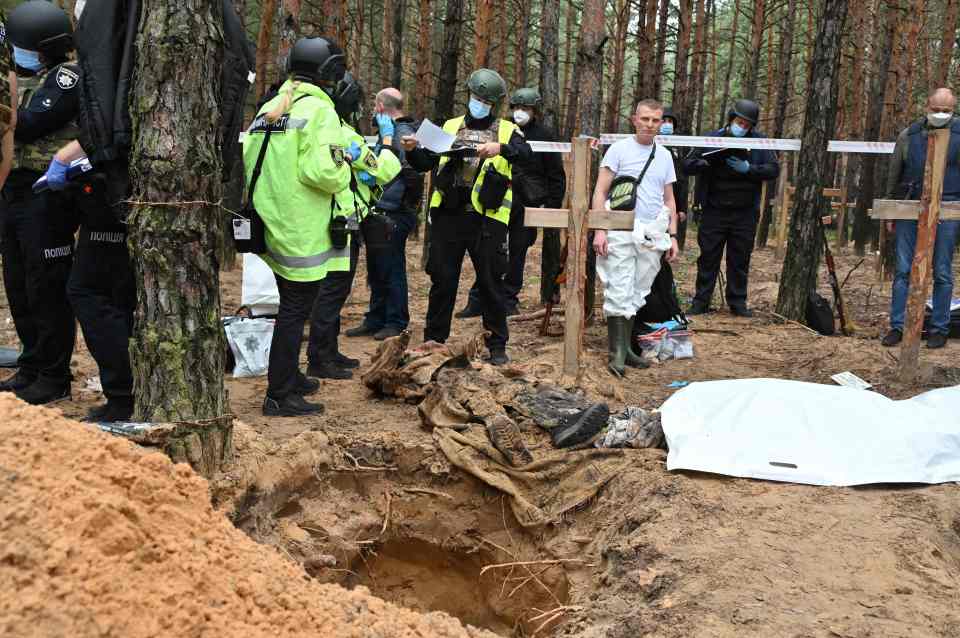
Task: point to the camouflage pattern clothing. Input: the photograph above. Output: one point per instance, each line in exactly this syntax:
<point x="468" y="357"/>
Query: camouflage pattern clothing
<point x="49" y="105"/>
<point x="6" y="64"/>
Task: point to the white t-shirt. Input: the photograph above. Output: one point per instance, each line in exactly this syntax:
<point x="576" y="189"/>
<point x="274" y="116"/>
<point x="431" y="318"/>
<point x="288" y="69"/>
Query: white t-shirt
<point x="628" y="157"/>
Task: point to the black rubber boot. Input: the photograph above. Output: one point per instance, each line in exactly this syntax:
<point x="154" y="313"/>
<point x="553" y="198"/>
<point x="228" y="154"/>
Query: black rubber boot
<point x="616" y="345"/>
<point x="633" y="359"/>
<point x="581" y="427"/>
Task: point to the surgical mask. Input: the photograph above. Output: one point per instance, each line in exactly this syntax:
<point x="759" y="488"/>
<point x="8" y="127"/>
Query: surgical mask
<point x="478" y="110"/>
<point x="666" y="128"/>
<point x="521" y="117"/>
<point x="737" y="130"/>
<point x="78" y="10"/>
<point x="26" y="59"/>
<point x="936" y="120"/>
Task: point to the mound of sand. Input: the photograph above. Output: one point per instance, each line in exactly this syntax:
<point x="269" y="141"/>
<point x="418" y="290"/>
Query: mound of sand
<point x="101" y="538"/>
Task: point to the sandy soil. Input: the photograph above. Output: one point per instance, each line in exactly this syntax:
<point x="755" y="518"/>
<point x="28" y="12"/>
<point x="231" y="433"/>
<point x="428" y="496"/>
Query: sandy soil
<point x="664" y="554"/>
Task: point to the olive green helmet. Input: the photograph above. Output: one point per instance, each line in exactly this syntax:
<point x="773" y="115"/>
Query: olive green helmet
<point x="526" y="97"/>
<point x="487" y="84"/>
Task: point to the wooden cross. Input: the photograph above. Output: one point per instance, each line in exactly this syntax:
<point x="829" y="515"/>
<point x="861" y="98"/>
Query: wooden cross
<point x="577" y="220"/>
<point x="928" y="211"/>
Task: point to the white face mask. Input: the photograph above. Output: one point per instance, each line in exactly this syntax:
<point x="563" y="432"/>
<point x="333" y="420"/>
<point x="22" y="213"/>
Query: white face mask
<point x="78" y="10"/>
<point x="521" y="117"/>
<point x="936" y="120"/>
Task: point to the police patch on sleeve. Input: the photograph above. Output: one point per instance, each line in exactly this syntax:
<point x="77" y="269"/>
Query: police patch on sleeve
<point x="370" y="161"/>
<point x="338" y="156"/>
<point x="67" y="78"/>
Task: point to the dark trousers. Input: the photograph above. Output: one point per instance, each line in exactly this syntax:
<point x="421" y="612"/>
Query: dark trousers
<point x="37" y="249"/>
<point x="332" y="293"/>
<point x="296" y="302"/>
<point x="519" y="240"/>
<point x="735" y="230"/>
<point x="103" y="293"/>
<point x="485" y="240"/>
<point x="387" y="278"/>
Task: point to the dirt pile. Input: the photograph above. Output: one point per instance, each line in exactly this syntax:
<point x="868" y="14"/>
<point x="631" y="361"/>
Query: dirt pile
<point x="101" y="538"/>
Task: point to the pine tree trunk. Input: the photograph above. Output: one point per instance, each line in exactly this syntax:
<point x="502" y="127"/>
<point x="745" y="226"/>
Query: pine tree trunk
<point x="449" y="58"/>
<point x="177" y="349"/>
<point x="549" y="63"/>
<point x="695" y="94"/>
<point x="802" y="260"/>
<point x="661" y="53"/>
<point x="731" y="51"/>
<point x="267" y="11"/>
<point x="484" y="26"/>
<point x="386" y="42"/>
<point x="783" y="98"/>
<point x="289" y="29"/>
<point x="521" y="50"/>
<point x="399" y="22"/>
<point x="680" y="75"/>
<point x="619" y="55"/>
<point x="752" y="75"/>
<point x="421" y="90"/>
<point x="643" y="41"/>
<point x="568" y="96"/>
<point x="652" y="73"/>
<point x="862" y="226"/>
<point x="948" y="41"/>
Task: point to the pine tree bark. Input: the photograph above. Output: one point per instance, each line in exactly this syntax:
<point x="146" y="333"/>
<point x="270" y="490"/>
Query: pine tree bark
<point x="661" y="48"/>
<point x="521" y="49"/>
<point x="549" y="63"/>
<point x="421" y="90"/>
<point x="680" y="75"/>
<point x="948" y="41"/>
<point x="752" y="75"/>
<point x="289" y="29"/>
<point x="644" y="43"/>
<point x="802" y="260"/>
<point x="731" y="54"/>
<point x="887" y="26"/>
<point x="483" y="27"/>
<point x="177" y="349"/>
<point x="267" y="10"/>
<point x="386" y="42"/>
<point x="399" y="21"/>
<point x="619" y="57"/>
<point x="449" y="58"/>
<point x="568" y="96"/>
<point x="695" y="92"/>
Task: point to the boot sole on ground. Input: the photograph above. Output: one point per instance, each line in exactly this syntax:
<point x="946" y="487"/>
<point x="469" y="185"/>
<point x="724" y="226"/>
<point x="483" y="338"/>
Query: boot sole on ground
<point x="581" y="427"/>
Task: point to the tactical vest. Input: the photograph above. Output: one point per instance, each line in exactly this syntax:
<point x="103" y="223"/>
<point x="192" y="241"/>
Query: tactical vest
<point x="504" y="131"/>
<point x="912" y="178"/>
<point x="36" y="155"/>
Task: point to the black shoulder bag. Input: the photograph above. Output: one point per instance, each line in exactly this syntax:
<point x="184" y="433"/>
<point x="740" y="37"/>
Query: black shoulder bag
<point x="623" y="189"/>
<point x="249" y="233"/>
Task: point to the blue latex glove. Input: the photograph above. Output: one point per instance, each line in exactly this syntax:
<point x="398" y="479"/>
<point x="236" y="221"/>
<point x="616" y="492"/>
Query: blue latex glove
<point x="385" y="124"/>
<point x="57" y="175"/>
<point x="739" y="165"/>
<point x="367" y="178"/>
<point x="354" y="151"/>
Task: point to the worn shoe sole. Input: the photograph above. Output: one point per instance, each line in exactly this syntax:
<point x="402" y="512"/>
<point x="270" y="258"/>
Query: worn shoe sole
<point x="506" y="437"/>
<point x="582" y="427"/>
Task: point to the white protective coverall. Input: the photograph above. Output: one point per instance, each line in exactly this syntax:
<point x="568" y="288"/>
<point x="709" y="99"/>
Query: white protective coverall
<point x="632" y="263"/>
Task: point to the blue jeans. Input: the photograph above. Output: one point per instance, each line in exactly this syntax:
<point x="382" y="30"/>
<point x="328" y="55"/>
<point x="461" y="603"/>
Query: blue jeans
<point x="906" y="239"/>
<point x="387" y="278"/>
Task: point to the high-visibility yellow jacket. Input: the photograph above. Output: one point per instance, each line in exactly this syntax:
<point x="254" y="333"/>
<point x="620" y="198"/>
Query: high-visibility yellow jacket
<point x="502" y="166"/>
<point x="359" y="199"/>
<point x="304" y="167"/>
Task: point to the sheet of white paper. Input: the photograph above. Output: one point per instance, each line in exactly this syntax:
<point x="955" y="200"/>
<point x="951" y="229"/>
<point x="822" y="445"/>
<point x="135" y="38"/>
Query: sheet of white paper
<point x="850" y="380"/>
<point x="810" y="433"/>
<point x="434" y="138"/>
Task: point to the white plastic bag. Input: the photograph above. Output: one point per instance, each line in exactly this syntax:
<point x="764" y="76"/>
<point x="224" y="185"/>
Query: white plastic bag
<point x="666" y="344"/>
<point x="249" y="341"/>
<point x="259" y="291"/>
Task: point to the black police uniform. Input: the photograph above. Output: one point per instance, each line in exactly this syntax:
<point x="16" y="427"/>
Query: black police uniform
<point x="538" y="182"/>
<point x="38" y="230"/>
<point x="731" y="208"/>
<point x="457" y="229"/>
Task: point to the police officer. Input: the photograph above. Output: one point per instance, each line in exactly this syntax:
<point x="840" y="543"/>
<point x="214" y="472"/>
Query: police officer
<point x="369" y="173"/>
<point x="306" y="161"/>
<point x="8" y="103"/>
<point x="470" y="209"/>
<point x="37" y="244"/>
<point x="670" y="126"/>
<point x="540" y="182"/>
<point x="731" y="207"/>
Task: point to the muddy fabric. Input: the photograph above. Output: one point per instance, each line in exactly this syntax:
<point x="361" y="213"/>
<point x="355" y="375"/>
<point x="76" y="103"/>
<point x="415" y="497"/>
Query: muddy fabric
<point x="546" y="405"/>
<point x="407" y="374"/>
<point x="543" y="491"/>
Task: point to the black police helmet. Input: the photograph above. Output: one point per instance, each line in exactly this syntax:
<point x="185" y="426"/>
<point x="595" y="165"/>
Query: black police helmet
<point x="317" y="60"/>
<point x="348" y="97"/>
<point x="39" y="25"/>
<point x="668" y="114"/>
<point x="747" y="109"/>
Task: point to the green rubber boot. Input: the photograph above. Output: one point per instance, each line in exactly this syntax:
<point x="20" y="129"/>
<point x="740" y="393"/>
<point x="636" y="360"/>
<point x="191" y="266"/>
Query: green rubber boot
<point x="616" y="345"/>
<point x="632" y="359"/>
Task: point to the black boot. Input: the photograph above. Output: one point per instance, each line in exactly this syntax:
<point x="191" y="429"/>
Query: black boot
<point x="580" y="427"/>
<point x="616" y="345"/>
<point x="472" y="309"/>
<point x="17" y="382"/>
<point x="290" y="405"/>
<point x="328" y="370"/>
<point x="44" y="392"/>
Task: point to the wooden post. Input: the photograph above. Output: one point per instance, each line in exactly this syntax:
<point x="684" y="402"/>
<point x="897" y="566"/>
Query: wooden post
<point x="842" y="215"/>
<point x="937" y="144"/>
<point x="576" y="260"/>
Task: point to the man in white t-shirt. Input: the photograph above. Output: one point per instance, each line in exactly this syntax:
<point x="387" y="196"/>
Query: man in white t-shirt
<point x="628" y="261"/>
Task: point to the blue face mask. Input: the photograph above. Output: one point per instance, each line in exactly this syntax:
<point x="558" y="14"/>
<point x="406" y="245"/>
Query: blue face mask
<point x="666" y="128"/>
<point x="478" y="110"/>
<point x="27" y="59"/>
<point x="737" y="130"/>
